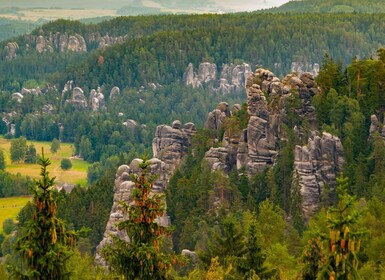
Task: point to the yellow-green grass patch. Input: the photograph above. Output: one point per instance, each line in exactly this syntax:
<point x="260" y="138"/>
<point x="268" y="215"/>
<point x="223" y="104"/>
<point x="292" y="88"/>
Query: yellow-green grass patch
<point x="76" y="175"/>
<point x="10" y="208"/>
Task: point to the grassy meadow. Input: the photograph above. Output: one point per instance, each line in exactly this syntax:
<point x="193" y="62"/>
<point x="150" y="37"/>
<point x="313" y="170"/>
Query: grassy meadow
<point x="76" y="175"/>
<point x="10" y="207"/>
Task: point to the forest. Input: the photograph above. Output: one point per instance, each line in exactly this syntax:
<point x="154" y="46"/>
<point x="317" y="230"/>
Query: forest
<point x="240" y="227"/>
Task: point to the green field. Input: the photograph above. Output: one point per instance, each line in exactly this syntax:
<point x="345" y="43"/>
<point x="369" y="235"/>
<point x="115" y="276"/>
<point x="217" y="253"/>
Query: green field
<point x="76" y="175"/>
<point x="10" y="207"/>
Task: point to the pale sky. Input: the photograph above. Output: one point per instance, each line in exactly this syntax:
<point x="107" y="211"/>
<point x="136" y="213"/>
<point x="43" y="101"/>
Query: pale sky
<point x="250" y="5"/>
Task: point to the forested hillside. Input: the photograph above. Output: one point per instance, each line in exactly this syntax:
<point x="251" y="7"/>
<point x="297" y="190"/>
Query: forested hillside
<point x="284" y="179"/>
<point x="331" y="6"/>
<point x="148" y="54"/>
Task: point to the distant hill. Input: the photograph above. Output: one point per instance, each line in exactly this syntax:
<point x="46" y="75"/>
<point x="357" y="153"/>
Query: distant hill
<point x="331" y="6"/>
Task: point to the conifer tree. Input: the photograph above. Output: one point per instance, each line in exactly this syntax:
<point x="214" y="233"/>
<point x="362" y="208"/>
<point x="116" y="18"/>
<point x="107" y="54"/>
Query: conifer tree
<point x="140" y="257"/>
<point x="45" y="244"/>
<point x="344" y="242"/>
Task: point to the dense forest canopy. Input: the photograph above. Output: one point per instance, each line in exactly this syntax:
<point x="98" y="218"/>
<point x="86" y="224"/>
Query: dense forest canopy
<point x="148" y="54"/>
<point x="331" y="6"/>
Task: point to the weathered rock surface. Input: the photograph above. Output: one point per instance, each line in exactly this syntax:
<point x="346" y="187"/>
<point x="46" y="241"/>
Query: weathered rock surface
<point x="122" y="192"/>
<point x="217" y="117"/>
<point x="231" y="79"/>
<point x="300" y="68"/>
<point x="271" y="104"/>
<point x="317" y="165"/>
<point x="171" y="142"/>
<point x="97" y="101"/>
<point x="10" y="50"/>
<point x="17" y="96"/>
<point x="114" y="93"/>
<point x="78" y="99"/>
<point x="170" y="146"/>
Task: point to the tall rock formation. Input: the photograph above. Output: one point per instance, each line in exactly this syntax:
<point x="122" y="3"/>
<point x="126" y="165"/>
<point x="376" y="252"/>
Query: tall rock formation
<point x="317" y="165"/>
<point x="10" y="50"/>
<point x="169" y="147"/>
<point x="273" y="104"/>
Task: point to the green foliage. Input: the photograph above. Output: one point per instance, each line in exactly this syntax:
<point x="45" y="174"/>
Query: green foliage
<point x="9" y="226"/>
<point x="140" y="258"/>
<point x="30" y="155"/>
<point x="343" y="241"/>
<point x="44" y="245"/>
<point x="331" y="6"/>
<point x="65" y="164"/>
<point x="55" y="146"/>
<point x="18" y="149"/>
<point x="2" y="161"/>
<point x="14" y="185"/>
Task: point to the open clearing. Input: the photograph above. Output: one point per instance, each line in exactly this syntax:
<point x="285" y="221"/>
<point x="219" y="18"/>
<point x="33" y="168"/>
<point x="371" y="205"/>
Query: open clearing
<point x="10" y="207"/>
<point x="76" y="175"/>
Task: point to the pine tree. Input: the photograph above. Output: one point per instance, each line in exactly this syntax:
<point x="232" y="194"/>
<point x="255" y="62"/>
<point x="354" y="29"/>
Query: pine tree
<point x="45" y="244"/>
<point x="228" y="245"/>
<point x="252" y="263"/>
<point x="344" y="243"/>
<point x="140" y="258"/>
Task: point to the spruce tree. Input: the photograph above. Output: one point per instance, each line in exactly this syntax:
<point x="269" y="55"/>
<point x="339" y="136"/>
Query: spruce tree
<point x="140" y="257"/>
<point x="343" y="241"/>
<point x="45" y="244"/>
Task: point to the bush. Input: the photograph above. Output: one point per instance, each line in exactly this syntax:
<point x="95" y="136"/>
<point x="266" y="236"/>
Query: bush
<point x="66" y="164"/>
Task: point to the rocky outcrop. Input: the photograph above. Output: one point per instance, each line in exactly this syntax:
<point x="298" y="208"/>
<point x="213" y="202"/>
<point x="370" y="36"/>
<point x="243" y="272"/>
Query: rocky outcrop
<point x="10" y="50"/>
<point x="231" y="79"/>
<point x="122" y="192"/>
<point x="114" y="93"/>
<point x="272" y="104"/>
<point x="42" y="45"/>
<point x="171" y="143"/>
<point x="97" y="101"/>
<point x="217" y="117"/>
<point x="300" y="68"/>
<point x="106" y="40"/>
<point x="76" y="43"/>
<point x="17" y="96"/>
<point x="169" y="147"/>
<point x="317" y="165"/>
<point x="376" y="126"/>
<point x="78" y="99"/>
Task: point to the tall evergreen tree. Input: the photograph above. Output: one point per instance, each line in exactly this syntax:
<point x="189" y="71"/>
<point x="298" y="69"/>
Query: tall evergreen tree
<point x="45" y="244"/>
<point x="344" y="242"/>
<point x="140" y="258"/>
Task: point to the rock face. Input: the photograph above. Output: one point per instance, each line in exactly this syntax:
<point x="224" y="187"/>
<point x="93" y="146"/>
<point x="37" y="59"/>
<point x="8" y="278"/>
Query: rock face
<point x="171" y="143"/>
<point x="122" y="192"/>
<point x="300" y="68"/>
<point x="97" y="101"/>
<point x="317" y="164"/>
<point x="114" y="93"/>
<point x="169" y="147"/>
<point x="78" y="100"/>
<point x="231" y="79"/>
<point x="217" y="117"/>
<point x="272" y="104"/>
<point x="10" y="50"/>
<point x="375" y="126"/>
